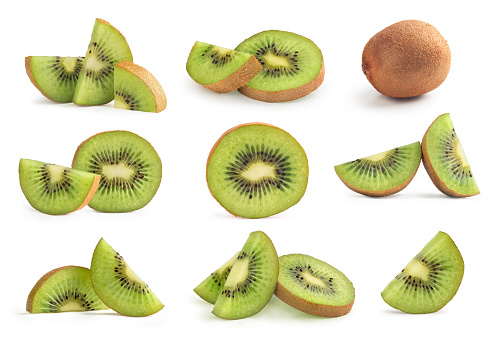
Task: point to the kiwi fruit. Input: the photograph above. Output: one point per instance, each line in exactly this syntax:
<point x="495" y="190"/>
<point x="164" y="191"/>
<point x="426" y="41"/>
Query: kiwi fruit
<point x="256" y="170"/>
<point x="129" y="166"/>
<point x="137" y="89"/>
<point x="292" y="66"/>
<point x="118" y="286"/>
<point x="445" y="160"/>
<point x="430" y="280"/>
<point x="54" y="76"/>
<point x="313" y="286"/>
<point x="220" y="69"/>
<point x="406" y="59"/>
<point x="382" y="174"/>
<point x="106" y="48"/>
<point x="55" y="189"/>
<point x="64" y="289"/>
<point x="252" y="279"/>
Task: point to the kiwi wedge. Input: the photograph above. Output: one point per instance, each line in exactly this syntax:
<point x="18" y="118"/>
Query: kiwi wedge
<point x="106" y="48"/>
<point x="220" y="69"/>
<point x="430" y="280"/>
<point x="445" y="160"/>
<point x="54" y="76"/>
<point x="382" y="174"/>
<point x="55" y="189"/>
<point x="252" y="279"/>
<point x="256" y="170"/>
<point x="313" y="286"/>
<point x="118" y="286"/>
<point x="292" y="66"/>
<point x="129" y="167"/>
<point x="137" y="89"/>
<point x="64" y="289"/>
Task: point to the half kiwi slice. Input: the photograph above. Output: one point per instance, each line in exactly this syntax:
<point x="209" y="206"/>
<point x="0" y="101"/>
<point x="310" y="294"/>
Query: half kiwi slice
<point x="64" y="289"/>
<point x="382" y="174"/>
<point x="220" y="69"/>
<point x="292" y="66"/>
<point x="118" y="286"/>
<point x="256" y="170"/>
<point x="445" y="160"/>
<point x="54" y="189"/>
<point x="313" y="286"/>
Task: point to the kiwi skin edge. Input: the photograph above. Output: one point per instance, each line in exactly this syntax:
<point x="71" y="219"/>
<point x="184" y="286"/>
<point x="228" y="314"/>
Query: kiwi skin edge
<point x="27" y="65"/>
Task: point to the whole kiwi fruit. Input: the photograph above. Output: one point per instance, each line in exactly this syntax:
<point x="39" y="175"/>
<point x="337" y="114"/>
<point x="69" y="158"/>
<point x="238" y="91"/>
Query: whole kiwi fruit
<point x="406" y="59"/>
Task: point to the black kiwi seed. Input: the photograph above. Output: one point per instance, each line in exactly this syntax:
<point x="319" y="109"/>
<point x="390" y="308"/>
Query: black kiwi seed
<point x="328" y="288"/>
<point x="417" y="284"/>
<point x="65" y="75"/>
<point x="123" y="279"/>
<point x="217" y="57"/>
<point x="62" y="185"/>
<point x="100" y="54"/>
<point x="450" y="158"/>
<point x="242" y="288"/>
<point x="69" y="295"/>
<point x="131" y="102"/>
<point x="294" y="59"/>
<point x="389" y="164"/>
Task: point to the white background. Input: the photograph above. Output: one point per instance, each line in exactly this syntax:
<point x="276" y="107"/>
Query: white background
<point x="183" y="234"/>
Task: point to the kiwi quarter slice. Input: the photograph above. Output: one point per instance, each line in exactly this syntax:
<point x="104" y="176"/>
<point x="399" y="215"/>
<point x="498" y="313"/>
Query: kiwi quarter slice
<point x="313" y="286"/>
<point x="256" y="170"/>
<point x="64" y="289"/>
<point x="118" y="286"/>
<point x="55" y="189"/>
<point x="382" y="174"/>
<point x="292" y="66"/>
<point x="129" y="166"/>
<point x="445" y="160"/>
<point x="430" y="280"/>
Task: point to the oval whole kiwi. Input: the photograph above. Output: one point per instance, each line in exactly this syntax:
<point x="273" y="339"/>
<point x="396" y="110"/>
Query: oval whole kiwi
<point x="406" y="59"/>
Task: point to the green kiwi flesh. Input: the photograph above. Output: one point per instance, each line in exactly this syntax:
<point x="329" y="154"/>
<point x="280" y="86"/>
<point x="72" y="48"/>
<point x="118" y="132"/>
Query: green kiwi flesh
<point x="64" y="289"/>
<point x="252" y="279"/>
<point x="257" y="170"/>
<point x="430" y="280"/>
<point x="382" y="174"/>
<point x="118" y="286"/>
<point x="130" y="169"/>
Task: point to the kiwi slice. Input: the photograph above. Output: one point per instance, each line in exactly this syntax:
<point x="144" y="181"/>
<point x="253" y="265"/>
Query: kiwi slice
<point x="118" y="286"/>
<point x="256" y="170"/>
<point x="106" y="48"/>
<point x="445" y="160"/>
<point x="292" y="66"/>
<point x="54" y="189"/>
<point x="252" y="279"/>
<point x="64" y="289"/>
<point x="430" y="280"/>
<point x="382" y="174"/>
<point x="220" y="69"/>
<point x="54" y="76"/>
<point x="211" y="287"/>
<point x="129" y="166"/>
<point x="137" y="89"/>
<point x="313" y="286"/>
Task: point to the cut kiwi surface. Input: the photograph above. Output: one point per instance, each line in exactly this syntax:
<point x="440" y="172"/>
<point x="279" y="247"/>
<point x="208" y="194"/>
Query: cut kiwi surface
<point x="64" y="289"/>
<point x="445" y="160"/>
<point x="313" y="286"/>
<point x="382" y="174"/>
<point x="118" y="286"/>
<point x="55" y="189"/>
<point x="130" y="169"/>
<point x="430" y="280"/>
<point x="256" y="170"/>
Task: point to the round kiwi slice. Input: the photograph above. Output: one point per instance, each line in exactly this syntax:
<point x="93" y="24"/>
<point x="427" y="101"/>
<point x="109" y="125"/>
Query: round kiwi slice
<point x="54" y="189"/>
<point x="382" y="174"/>
<point x="430" y="280"/>
<point x="64" y="289"/>
<point x="256" y="170"/>
<point x="129" y="166"/>
<point x="220" y="69"/>
<point x="55" y="77"/>
<point x="445" y="160"/>
<point x="292" y="66"/>
<point x="313" y="286"/>
<point x="118" y="286"/>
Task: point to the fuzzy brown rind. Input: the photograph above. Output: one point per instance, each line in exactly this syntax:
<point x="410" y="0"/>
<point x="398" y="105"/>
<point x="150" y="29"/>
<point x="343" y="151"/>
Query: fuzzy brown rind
<point x="238" y="78"/>
<point x="27" y="65"/>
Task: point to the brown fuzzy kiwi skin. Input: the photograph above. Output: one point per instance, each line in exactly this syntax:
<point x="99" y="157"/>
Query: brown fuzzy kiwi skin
<point x="27" y="65"/>
<point x="406" y="59"/>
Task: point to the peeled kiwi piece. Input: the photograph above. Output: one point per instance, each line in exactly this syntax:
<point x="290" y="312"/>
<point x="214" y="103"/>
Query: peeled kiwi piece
<point x="256" y="170"/>
<point x="430" y="280"/>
